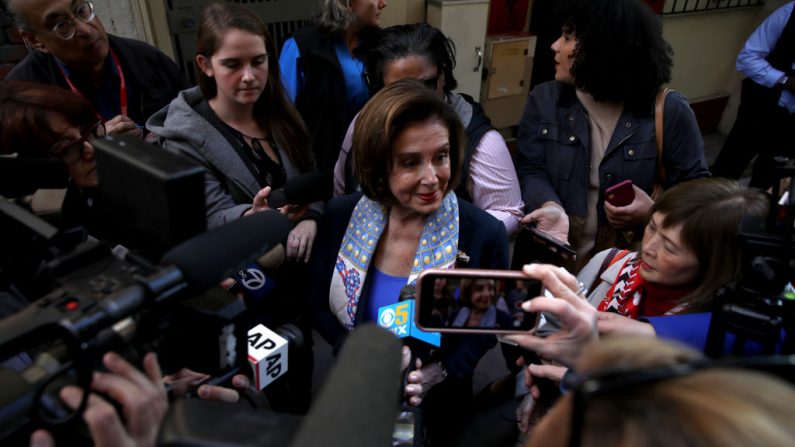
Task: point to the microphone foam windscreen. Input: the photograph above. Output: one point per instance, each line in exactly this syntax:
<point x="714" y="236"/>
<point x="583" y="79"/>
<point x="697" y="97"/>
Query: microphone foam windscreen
<point x="212" y="256"/>
<point x="359" y="402"/>
<point x="299" y="190"/>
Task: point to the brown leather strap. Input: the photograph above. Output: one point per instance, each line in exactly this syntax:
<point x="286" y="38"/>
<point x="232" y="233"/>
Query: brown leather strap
<point x="659" y="107"/>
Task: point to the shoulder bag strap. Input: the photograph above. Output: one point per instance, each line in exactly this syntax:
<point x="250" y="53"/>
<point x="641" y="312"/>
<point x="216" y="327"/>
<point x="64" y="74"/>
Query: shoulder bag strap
<point x="615" y="254"/>
<point x="659" y="107"/>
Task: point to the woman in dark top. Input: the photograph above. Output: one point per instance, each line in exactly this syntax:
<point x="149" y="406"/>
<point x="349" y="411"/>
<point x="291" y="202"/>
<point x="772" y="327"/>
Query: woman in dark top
<point x="239" y="124"/>
<point x="407" y="149"/>
<point x="40" y="120"/>
<point x="593" y="127"/>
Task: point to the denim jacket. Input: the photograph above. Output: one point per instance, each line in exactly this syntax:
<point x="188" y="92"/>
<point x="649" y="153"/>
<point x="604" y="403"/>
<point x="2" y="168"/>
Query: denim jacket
<point x="554" y="154"/>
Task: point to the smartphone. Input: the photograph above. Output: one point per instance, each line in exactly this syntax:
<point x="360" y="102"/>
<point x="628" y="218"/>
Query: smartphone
<point x="552" y="242"/>
<point x="475" y="301"/>
<point x="620" y="194"/>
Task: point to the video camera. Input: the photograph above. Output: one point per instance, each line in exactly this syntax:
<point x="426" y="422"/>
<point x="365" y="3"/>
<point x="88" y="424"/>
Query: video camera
<point x="96" y="302"/>
<point x="756" y="307"/>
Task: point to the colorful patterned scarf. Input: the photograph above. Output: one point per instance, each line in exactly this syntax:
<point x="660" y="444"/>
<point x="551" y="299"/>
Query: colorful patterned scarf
<point x="626" y="295"/>
<point x="437" y="249"/>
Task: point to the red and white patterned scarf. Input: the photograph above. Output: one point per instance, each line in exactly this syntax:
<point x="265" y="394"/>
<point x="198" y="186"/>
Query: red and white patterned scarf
<point x="626" y="295"/>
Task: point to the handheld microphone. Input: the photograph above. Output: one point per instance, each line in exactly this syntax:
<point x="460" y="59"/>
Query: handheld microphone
<point x="254" y="282"/>
<point x="268" y="352"/>
<point x="398" y="318"/>
<point x="299" y="190"/>
<point x="357" y="405"/>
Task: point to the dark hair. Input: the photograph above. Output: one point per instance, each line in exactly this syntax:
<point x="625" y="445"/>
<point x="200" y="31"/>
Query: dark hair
<point x="397" y="42"/>
<point x="710" y="211"/>
<point x="620" y="55"/>
<point x="467" y="286"/>
<point x="275" y="112"/>
<point x="25" y="112"/>
<point x="385" y="116"/>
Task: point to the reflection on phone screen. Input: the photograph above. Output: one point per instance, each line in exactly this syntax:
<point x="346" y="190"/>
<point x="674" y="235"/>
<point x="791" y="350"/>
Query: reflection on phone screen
<point x="484" y="303"/>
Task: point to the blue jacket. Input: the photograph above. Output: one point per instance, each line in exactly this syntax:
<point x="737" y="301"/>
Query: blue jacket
<point x="481" y="237"/>
<point x="554" y="155"/>
<point x="693" y="329"/>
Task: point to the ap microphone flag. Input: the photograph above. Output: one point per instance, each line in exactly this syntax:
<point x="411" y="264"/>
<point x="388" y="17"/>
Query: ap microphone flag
<point x="398" y="318"/>
<point x="267" y="355"/>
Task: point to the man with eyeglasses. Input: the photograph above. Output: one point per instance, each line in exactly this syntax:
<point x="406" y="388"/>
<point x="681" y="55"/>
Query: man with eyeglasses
<point x="125" y="80"/>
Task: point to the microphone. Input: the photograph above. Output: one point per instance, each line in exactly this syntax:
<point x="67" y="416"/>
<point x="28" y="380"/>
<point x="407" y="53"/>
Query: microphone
<point x="268" y="352"/>
<point x="356" y="406"/>
<point x="299" y="190"/>
<point x="398" y="318"/>
<point x="358" y="403"/>
<point x="240" y="241"/>
<point x="253" y="280"/>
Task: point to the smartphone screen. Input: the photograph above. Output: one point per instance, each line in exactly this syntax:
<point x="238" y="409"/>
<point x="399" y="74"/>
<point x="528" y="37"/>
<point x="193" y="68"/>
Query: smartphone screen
<point x="471" y="300"/>
<point x="551" y="242"/>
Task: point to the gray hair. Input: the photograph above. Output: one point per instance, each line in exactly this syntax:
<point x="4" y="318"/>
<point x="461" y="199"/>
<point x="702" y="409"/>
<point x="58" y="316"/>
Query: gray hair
<point x="335" y="15"/>
<point x="12" y="11"/>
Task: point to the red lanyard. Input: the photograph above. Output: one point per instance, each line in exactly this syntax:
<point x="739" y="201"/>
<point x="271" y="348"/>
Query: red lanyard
<point x="122" y="84"/>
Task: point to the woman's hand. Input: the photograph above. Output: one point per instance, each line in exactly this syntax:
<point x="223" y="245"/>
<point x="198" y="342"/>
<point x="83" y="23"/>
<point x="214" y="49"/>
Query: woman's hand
<point x="632" y="215"/>
<point x="299" y="242"/>
<point x="421" y="380"/>
<point x="414" y="391"/>
<point x="550" y="218"/>
<point x="610" y="323"/>
<point x="260" y="202"/>
<point x="524" y="411"/>
<point x="577" y="317"/>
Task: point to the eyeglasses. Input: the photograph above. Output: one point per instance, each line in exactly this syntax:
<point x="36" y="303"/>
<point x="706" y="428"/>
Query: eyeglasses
<point x="65" y="29"/>
<point x="432" y="83"/>
<point x="620" y="380"/>
<point x="71" y="153"/>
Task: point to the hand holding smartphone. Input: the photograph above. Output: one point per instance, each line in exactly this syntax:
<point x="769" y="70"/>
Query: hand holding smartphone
<point x="553" y="243"/>
<point x="620" y="194"/>
<point x="474" y="309"/>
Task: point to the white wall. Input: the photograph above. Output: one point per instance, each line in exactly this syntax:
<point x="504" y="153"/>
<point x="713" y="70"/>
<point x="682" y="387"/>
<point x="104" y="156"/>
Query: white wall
<point x="117" y="16"/>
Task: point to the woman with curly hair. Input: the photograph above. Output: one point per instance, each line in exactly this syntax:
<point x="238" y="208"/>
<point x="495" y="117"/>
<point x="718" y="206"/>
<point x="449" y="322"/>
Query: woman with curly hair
<point x="594" y="126"/>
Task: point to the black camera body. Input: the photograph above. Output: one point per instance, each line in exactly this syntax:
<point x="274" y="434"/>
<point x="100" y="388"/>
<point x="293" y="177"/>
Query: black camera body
<point x="754" y="307"/>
